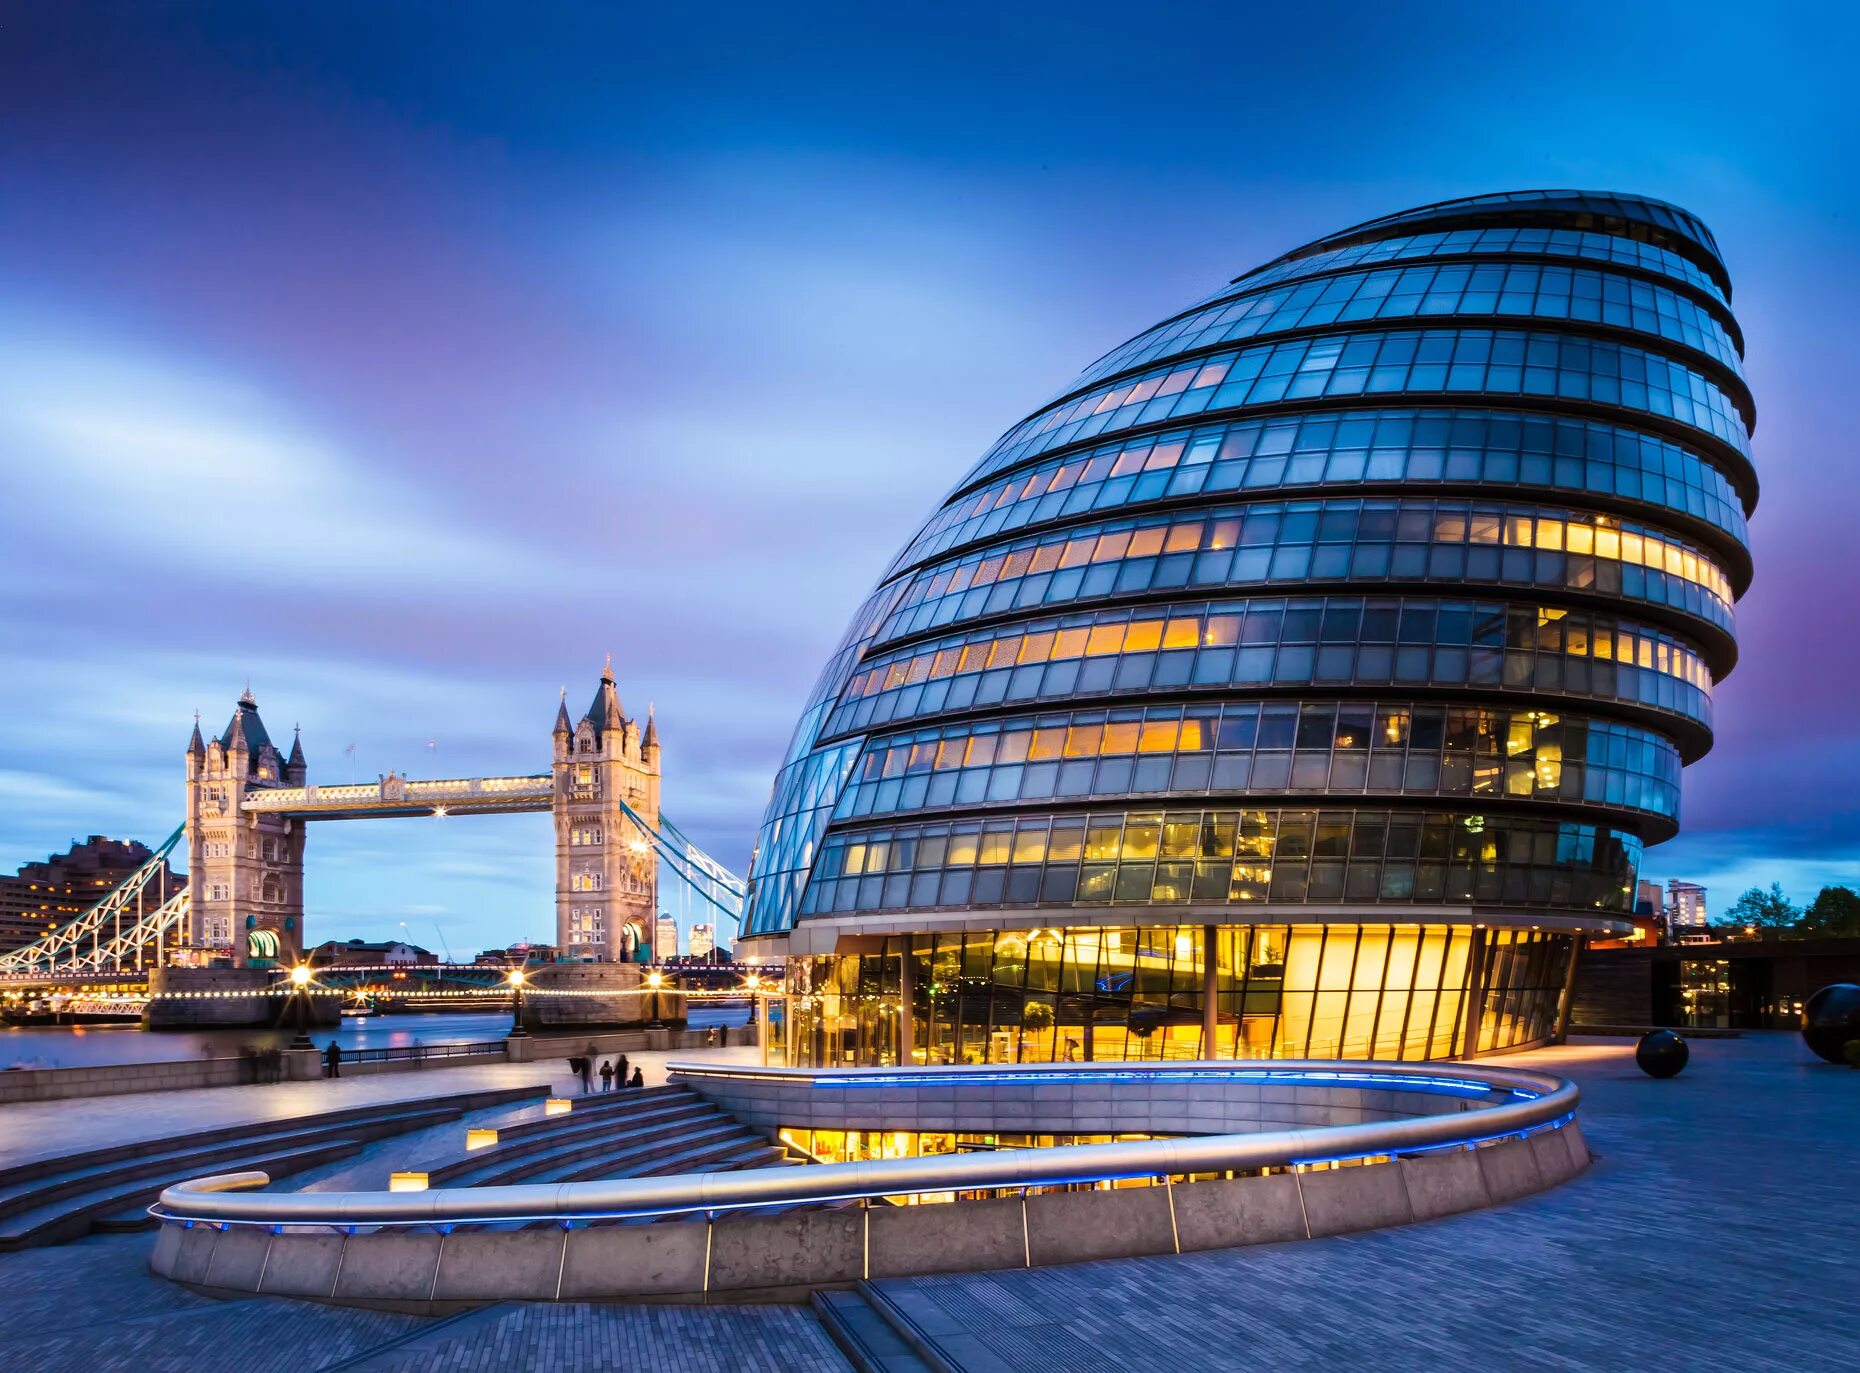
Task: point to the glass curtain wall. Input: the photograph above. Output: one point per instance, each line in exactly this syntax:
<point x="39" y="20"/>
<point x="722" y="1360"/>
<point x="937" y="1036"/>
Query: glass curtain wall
<point x="1137" y="992"/>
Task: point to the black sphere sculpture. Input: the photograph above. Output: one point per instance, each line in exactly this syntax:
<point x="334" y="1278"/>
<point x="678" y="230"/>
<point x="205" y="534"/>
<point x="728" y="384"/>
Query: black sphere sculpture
<point x="1661" y="1053"/>
<point x="1831" y="1021"/>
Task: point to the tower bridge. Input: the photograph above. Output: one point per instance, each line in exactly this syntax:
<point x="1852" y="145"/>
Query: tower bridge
<point x="249" y="806"/>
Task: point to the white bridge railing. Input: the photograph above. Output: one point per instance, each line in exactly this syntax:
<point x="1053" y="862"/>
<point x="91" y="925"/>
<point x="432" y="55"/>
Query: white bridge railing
<point x="392" y="791"/>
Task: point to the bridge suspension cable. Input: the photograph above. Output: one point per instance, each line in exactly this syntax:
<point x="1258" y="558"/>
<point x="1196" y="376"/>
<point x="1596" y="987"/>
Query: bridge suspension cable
<point x="705" y="876"/>
<point x="98" y="940"/>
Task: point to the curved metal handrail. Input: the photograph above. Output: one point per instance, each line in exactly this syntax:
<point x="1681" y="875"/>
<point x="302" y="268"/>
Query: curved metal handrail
<point x="1533" y="1101"/>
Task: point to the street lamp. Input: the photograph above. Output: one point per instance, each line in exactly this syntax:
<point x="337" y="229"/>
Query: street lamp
<point x="655" y="980"/>
<point x="300" y="993"/>
<point x="516" y="980"/>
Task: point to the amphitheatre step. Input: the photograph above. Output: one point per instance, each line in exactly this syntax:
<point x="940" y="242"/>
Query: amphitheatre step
<point x="460" y="1103"/>
<point x="73" y="1217"/>
<point x="870" y="1342"/>
<point x="553" y="1136"/>
<point x="194" y="1160"/>
<point x="720" y="1155"/>
<point x="601" y="1154"/>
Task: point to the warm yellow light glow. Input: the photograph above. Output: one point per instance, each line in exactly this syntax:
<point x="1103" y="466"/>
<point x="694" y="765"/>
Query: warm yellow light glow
<point x="407" y="1182"/>
<point x="517" y="977"/>
<point x="479" y="1139"/>
<point x="655" y="980"/>
<point x="752" y="982"/>
<point x="558" y="1106"/>
<point x="300" y="976"/>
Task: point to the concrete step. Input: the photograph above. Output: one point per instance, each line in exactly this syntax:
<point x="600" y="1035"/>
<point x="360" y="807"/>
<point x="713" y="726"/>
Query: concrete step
<point x="73" y="1216"/>
<point x="459" y="1104"/>
<point x="901" y="1312"/>
<point x="564" y="1133"/>
<point x="601" y="1157"/>
<point x="197" y="1160"/>
<point x="870" y="1342"/>
<point x="608" y="1106"/>
<point x="721" y="1155"/>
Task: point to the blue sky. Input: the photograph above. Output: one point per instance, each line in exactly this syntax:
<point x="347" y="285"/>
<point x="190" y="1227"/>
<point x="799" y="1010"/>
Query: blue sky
<point x="407" y="359"/>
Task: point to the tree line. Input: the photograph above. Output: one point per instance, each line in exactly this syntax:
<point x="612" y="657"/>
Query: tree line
<point x="1834" y="911"/>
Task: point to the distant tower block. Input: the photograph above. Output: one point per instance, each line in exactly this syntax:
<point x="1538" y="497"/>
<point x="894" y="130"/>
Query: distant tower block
<point x="246" y="871"/>
<point x="606" y="872"/>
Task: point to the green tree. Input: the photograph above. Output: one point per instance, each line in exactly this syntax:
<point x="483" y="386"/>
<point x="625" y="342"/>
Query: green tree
<point x="1764" y="909"/>
<point x="1835" y="910"/>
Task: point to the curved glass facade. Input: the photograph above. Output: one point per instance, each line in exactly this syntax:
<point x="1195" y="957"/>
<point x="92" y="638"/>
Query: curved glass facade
<point x="1315" y="690"/>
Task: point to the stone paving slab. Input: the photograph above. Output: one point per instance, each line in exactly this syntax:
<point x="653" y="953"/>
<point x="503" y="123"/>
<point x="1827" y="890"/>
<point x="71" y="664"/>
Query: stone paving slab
<point x="92" y="1307"/>
<point x="1716" y="1230"/>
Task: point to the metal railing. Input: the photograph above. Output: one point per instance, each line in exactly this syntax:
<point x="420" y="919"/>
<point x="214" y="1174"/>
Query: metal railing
<point x="1498" y="1103"/>
<point x="420" y="1052"/>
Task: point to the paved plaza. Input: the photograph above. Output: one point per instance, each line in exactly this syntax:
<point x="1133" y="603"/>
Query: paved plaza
<point x="1715" y="1231"/>
<point x="49" y="1129"/>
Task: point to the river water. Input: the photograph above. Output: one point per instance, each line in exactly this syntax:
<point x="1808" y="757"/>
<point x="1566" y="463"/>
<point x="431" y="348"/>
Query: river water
<point x="91" y="1046"/>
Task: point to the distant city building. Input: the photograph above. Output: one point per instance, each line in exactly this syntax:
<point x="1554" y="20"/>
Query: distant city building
<point x="1648" y="899"/>
<point x="361" y="953"/>
<point x="703" y="940"/>
<point x="665" y="940"/>
<point x="49" y="893"/>
<point x="1685" y="905"/>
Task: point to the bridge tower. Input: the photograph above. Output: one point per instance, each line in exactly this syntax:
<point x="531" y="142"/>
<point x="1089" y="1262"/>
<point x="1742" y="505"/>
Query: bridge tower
<point x="246" y="872"/>
<point x="606" y="872"/>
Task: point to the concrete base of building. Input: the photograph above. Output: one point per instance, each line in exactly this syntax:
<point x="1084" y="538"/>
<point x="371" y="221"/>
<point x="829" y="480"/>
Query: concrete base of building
<point x="564" y="997"/>
<point x="229" y="999"/>
<point x="783" y="1256"/>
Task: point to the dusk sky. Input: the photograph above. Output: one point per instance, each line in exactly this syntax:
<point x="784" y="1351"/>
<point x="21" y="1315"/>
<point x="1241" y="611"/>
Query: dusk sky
<point x="407" y="359"/>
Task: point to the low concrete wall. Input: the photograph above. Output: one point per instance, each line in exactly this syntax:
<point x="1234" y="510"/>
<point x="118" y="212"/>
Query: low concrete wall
<point x="560" y="1043"/>
<point x="116" y="1079"/>
<point x="783" y="1255"/>
<point x="1137" y="1105"/>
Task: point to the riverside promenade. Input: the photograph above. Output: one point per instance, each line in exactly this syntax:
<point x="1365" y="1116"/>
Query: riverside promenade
<point x="50" y="1129"/>
<point x="1713" y="1231"/>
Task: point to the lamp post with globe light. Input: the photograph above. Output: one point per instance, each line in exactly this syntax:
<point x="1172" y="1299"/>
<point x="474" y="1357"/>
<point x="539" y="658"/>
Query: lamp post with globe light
<point x="759" y="1013"/>
<point x="300" y="994"/>
<point x="655" y="980"/>
<point x="516" y="982"/>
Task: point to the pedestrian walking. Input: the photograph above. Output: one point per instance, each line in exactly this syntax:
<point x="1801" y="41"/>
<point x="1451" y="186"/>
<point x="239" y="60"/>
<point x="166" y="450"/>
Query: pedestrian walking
<point x="639" y="1079"/>
<point x="585" y="1066"/>
<point x="621" y="1070"/>
<point x="332" y="1060"/>
<point x="607" y="1076"/>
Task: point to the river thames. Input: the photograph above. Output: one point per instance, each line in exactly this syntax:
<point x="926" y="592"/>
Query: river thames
<point x="89" y="1046"/>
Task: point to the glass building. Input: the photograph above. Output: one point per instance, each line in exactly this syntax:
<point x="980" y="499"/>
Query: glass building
<point x="1302" y="679"/>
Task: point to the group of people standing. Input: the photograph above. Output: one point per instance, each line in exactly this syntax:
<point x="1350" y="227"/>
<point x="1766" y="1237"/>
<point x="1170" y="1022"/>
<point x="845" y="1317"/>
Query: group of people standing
<point x="582" y="1066"/>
